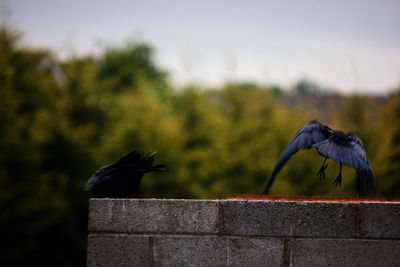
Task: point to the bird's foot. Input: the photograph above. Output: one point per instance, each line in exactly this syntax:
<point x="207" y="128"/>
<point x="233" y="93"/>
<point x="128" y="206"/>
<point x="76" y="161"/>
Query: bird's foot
<point x="338" y="181"/>
<point x="321" y="171"/>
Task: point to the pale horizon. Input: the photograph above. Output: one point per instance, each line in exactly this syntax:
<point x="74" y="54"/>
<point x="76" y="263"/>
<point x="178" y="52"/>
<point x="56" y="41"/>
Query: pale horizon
<point x="349" y="46"/>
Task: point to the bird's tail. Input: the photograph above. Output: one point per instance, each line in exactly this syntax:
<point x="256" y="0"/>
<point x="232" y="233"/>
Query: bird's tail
<point x="147" y="163"/>
<point x="365" y="183"/>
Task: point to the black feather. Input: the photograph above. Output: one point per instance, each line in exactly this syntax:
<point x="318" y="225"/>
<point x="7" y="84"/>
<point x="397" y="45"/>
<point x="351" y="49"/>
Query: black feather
<point x="122" y="178"/>
<point x="313" y="132"/>
<point x="343" y="148"/>
<point x="366" y="183"/>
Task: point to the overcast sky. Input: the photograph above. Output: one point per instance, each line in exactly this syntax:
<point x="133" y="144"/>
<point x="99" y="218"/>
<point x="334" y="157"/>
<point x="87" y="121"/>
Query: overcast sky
<point x="349" y="45"/>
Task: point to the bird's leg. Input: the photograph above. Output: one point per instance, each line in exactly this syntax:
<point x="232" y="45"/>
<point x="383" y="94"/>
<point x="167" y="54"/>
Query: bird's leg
<point x="338" y="181"/>
<point x="321" y="171"/>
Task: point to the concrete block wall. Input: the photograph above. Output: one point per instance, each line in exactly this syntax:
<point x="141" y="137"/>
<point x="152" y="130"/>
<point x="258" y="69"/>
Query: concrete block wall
<point x="168" y="232"/>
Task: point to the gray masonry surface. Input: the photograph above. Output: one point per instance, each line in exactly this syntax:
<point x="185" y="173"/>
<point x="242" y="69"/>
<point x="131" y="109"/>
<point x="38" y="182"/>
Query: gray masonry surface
<point x="171" y="232"/>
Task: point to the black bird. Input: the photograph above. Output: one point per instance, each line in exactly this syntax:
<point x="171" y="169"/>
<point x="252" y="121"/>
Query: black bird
<point x="122" y="178"/>
<point x="343" y="148"/>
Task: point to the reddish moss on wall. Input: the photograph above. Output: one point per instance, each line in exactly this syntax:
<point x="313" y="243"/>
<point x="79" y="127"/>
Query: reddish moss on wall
<point x="310" y="198"/>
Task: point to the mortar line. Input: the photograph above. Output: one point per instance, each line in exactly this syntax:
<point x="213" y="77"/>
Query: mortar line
<point x="215" y="235"/>
<point x="357" y="219"/>
<point x="150" y="248"/>
<point x="285" y="253"/>
<point x="227" y="252"/>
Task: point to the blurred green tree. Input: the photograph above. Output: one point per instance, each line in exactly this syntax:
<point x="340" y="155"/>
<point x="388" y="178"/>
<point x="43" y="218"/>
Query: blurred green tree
<point x="388" y="151"/>
<point x="216" y="143"/>
<point x="35" y="174"/>
<point x="128" y="67"/>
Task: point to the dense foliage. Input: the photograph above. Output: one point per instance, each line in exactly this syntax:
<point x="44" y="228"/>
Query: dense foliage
<point x="216" y="143"/>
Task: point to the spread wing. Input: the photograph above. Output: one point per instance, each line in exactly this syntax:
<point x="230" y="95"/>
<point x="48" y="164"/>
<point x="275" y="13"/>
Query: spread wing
<point x="312" y="133"/>
<point x="350" y="153"/>
<point x="358" y="147"/>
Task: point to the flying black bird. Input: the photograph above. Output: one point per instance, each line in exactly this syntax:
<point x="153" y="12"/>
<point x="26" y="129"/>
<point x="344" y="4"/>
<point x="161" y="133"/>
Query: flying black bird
<point x="343" y="148"/>
<point x="122" y="178"/>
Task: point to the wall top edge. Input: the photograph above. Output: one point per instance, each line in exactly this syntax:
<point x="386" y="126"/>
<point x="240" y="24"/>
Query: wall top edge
<point x="328" y="201"/>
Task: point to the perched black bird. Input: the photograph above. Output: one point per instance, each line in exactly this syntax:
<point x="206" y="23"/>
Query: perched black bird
<point x="122" y="178"/>
<point x="343" y="148"/>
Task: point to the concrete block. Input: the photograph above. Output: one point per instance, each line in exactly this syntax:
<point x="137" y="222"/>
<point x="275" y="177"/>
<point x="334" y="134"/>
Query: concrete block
<point x="190" y="251"/>
<point x="165" y="232"/>
<point x="100" y="214"/>
<point x="342" y="252"/>
<point x="255" y="251"/>
<point x="153" y="216"/>
<point x="281" y="218"/>
<point x="379" y="220"/>
<point x="117" y="250"/>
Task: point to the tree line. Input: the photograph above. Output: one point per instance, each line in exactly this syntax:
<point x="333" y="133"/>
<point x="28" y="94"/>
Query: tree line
<point x="60" y="121"/>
